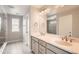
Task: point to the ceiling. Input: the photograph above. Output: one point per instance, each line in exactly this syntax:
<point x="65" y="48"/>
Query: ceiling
<point x="56" y="8"/>
<point x="15" y="9"/>
<point x="25" y="9"/>
<point x="65" y="8"/>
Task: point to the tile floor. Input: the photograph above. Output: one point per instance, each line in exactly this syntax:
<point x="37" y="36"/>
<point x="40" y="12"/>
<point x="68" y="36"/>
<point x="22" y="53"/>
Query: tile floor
<point x="16" y="48"/>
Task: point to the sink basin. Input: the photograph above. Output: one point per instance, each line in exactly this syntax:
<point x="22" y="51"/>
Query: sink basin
<point x="64" y="43"/>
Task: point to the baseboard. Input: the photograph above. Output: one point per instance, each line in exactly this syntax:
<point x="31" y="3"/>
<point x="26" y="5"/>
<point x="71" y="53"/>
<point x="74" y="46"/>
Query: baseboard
<point x="14" y="41"/>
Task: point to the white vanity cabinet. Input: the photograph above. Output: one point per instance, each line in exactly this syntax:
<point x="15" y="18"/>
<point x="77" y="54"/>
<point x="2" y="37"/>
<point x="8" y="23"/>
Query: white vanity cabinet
<point x="34" y="45"/>
<point x="56" y="49"/>
<point x="42" y="46"/>
<point x="49" y="52"/>
<point x="39" y="46"/>
<point x="42" y="49"/>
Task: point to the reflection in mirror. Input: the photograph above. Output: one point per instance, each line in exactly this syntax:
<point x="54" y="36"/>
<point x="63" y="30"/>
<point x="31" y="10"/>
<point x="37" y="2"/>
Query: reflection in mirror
<point x="64" y="23"/>
<point x="51" y="24"/>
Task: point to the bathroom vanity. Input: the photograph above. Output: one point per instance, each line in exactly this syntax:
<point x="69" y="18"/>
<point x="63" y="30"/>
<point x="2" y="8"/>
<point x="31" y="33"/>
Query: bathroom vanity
<point x="50" y="27"/>
<point x="52" y="44"/>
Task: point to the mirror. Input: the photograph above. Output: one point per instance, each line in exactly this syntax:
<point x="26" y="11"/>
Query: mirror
<point x="64" y="23"/>
<point x="51" y="23"/>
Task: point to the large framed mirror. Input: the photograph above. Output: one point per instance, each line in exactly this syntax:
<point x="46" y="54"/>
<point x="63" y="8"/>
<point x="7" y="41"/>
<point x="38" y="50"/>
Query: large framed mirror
<point x="51" y="23"/>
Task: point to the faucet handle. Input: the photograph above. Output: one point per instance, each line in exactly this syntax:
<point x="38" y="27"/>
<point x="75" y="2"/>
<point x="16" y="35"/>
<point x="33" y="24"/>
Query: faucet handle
<point x="66" y="39"/>
<point x="70" y="34"/>
<point x="62" y="38"/>
<point x="71" y="40"/>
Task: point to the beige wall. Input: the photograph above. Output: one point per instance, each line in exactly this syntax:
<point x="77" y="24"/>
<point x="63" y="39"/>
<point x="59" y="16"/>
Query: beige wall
<point x="65" y="25"/>
<point x="34" y="19"/>
<point x="38" y="21"/>
<point x="74" y="19"/>
<point x="14" y="36"/>
<point x="66" y="19"/>
<point x="3" y="24"/>
<point x="75" y="24"/>
<point x="3" y="28"/>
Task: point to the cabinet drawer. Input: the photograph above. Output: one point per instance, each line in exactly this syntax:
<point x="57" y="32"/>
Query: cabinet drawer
<point x="49" y="52"/>
<point x="34" y="46"/>
<point x="40" y="52"/>
<point x="34" y="38"/>
<point x="56" y="50"/>
<point x="42" y="42"/>
<point x="42" y="49"/>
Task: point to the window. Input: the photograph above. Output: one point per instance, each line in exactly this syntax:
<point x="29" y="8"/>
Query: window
<point x="51" y="23"/>
<point x="0" y="23"/>
<point x="15" y="25"/>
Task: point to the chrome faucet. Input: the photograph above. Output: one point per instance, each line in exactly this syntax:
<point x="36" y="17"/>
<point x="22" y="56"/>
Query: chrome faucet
<point x="67" y="38"/>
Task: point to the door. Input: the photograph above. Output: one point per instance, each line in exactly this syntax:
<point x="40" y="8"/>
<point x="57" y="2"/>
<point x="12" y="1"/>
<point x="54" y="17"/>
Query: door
<point x="25" y="31"/>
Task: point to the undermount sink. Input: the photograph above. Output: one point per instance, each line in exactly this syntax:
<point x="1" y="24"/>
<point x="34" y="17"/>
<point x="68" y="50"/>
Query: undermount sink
<point x="64" y="43"/>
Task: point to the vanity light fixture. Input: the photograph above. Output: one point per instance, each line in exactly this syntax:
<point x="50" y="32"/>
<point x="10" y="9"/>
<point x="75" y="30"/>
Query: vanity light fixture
<point x="45" y="11"/>
<point x="59" y="6"/>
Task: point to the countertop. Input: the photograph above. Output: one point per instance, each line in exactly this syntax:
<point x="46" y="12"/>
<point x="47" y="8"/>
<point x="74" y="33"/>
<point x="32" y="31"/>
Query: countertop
<point x="57" y="41"/>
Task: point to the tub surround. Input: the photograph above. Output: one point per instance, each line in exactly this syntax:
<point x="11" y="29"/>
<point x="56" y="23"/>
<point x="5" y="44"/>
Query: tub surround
<point x="2" y="44"/>
<point x="3" y="47"/>
<point x="57" y="41"/>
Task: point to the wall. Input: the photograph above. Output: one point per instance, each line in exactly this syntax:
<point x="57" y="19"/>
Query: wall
<point x="34" y="19"/>
<point x="75" y="24"/>
<point x="3" y="28"/>
<point x="38" y="22"/>
<point x="14" y="36"/>
<point x="65" y="25"/>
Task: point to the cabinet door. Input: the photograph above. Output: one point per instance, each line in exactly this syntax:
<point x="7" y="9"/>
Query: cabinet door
<point x="49" y="52"/>
<point x="56" y="49"/>
<point x="39" y="52"/>
<point x="42" y="49"/>
<point x="34" y="46"/>
<point x="42" y="43"/>
<point x="34" y="38"/>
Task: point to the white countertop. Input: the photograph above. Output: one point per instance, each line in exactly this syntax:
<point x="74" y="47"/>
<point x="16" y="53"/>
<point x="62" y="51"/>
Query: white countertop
<point x="57" y="41"/>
